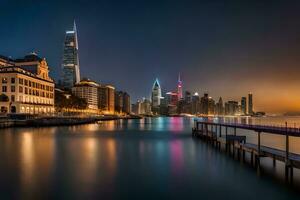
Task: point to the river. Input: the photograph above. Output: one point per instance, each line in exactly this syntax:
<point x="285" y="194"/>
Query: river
<point x="151" y="158"/>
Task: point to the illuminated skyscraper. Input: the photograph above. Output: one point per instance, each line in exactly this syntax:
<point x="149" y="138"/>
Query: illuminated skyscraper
<point x="70" y="63"/>
<point x="156" y="95"/>
<point x="243" y="106"/>
<point x="179" y="88"/>
<point x="250" y="104"/>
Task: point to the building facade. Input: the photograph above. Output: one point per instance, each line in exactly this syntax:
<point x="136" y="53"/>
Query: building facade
<point x="244" y="106"/>
<point x="250" y="104"/>
<point x="26" y="86"/>
<point x="106" y="99"/>
<point x="70" y="62"/>
<point x="87" y="90"/>
<point x="122" y="102"/>
<point x="156" y="96"/>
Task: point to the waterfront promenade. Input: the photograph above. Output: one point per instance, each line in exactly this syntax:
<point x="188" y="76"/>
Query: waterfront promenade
<point x="37" y="121"/>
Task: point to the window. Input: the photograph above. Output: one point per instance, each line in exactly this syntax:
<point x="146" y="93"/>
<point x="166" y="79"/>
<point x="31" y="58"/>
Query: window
<point x="20" y="81"/>
<point x="20" y="89"/>
<point x="26" y="82"/>
<point x="12" y="88"/>
<point x="29" y="83"/>
<point x="4" y="80"/>
<point x="4" y="89"/>
<point x="21" y="98"/>
<point x="12" y="80"/>
<point x="26" y="90"/>
<point x="13" y="98"/>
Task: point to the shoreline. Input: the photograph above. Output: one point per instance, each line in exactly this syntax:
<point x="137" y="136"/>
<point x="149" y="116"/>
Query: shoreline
<point x="58" y="121"/>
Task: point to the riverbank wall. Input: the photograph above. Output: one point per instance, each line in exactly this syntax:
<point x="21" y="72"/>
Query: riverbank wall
<point x="58" y="121"/>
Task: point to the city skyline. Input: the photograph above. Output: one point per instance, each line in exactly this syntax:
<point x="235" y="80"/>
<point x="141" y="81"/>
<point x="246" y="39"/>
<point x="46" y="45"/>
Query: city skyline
<point x="209" y="60"/>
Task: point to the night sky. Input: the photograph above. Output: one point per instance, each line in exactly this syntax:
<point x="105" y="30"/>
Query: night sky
<point x="226" y="49"/>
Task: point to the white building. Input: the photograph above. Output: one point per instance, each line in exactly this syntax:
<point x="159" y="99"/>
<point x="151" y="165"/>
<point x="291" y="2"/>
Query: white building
<point x="25" y="86"/>
<point x="88" y="90"/>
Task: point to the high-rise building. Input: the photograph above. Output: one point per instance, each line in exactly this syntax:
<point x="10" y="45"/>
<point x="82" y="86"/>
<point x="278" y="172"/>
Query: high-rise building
<point x="119" y="101"/>
<point x="146" y="107"/>
<point x="106" y="99"/>
<point x="156" y="96"/>
<point x="179" y="88"/>
<point x="188" y="97"/>
<point x="211" y="106"/>
<point x="244" y="106"/>
<point x="25" y="85"/>
<point x="195" y="103"/>
<point x="122" y="102"/>
<point x="204" y="104"/>
<point x="87" y="90"/>
<point x="250" y="104"/>
<point x="231" y="107"/>
<point x="126" y="103"/>
<point x="220" y="107"/>
<point x="70" y="62"/>
<point x="172" y="98"/>
<point x="137" y="108"/>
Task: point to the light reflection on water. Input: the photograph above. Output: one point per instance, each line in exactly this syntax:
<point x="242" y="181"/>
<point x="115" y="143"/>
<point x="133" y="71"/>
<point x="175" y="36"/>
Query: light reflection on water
<point x="145" y="159"/>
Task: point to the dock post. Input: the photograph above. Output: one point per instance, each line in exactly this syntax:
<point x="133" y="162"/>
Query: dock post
<point x="287" y="145"/>
<point x="206" y="129"/>
<point x="258" y="158"/>
<point x="220" y="131"/>
<point x="226" y="144"/>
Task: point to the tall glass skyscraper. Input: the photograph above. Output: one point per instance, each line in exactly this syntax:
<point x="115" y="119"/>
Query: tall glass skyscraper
<point x="156" y="94"/>
<point x="70" y="63"/>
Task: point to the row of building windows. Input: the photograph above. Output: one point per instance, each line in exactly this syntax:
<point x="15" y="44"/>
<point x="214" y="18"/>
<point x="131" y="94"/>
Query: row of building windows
<point x="28" y="91"/>
<point x="31" y="100"/>
<point x="28" y="83"/>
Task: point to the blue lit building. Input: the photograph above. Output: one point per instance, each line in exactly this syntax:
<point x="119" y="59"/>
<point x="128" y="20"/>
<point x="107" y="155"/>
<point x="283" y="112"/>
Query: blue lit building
<point x="70" y="63"/>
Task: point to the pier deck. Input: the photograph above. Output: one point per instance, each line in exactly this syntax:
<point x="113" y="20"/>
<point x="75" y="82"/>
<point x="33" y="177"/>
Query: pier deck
<point x="211" y="131"/>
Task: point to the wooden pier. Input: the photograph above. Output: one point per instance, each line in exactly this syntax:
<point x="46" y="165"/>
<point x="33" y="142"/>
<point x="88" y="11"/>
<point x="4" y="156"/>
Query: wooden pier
<point x="237" y="145"/>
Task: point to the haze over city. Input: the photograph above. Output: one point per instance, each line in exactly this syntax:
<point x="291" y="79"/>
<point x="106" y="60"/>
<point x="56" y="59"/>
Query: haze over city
<point x="225" y="49"/>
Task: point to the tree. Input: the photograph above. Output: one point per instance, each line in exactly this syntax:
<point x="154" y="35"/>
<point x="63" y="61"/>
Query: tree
<point x="65" y="100"/>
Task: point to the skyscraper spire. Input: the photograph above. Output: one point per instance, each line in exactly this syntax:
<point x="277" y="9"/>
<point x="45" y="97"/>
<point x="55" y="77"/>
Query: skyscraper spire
<point x="75" y="33"/>
<point x="179" y="87"/>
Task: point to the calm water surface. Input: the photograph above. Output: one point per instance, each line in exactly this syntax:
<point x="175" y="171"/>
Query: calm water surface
<point x="136" y="159"/>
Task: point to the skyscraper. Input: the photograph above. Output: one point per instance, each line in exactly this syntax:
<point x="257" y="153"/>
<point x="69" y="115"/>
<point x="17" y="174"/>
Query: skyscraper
<point x="220" y="107"/>
<point x="204" y="104"/>
<point x="195" y="103"/>
<point x="179" y="88"/>
<point x="70" y="62"/>
<point x="250" y="104"/>
<point x="243" y="106"/>
<point x="156" y="96"/>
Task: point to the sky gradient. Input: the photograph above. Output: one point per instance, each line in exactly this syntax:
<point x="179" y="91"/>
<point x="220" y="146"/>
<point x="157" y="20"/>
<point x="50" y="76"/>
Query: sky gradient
<point x="225" y="48"/>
